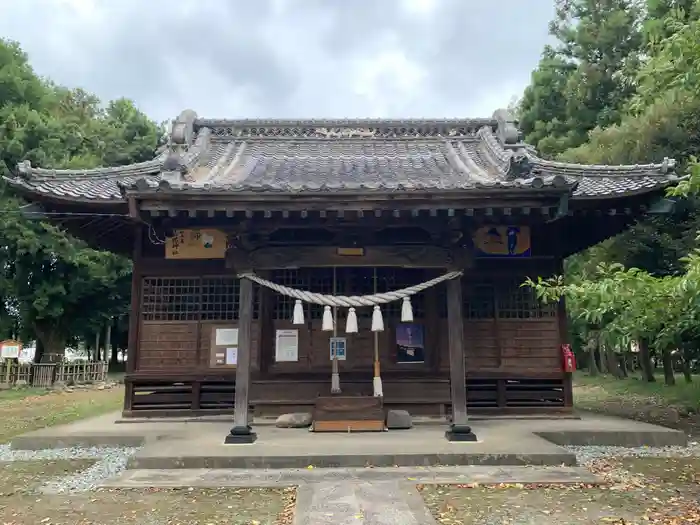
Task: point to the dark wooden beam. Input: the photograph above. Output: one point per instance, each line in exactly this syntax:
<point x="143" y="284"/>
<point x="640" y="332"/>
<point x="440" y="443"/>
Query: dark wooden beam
<point x="132" y="354"/>
<point x="319" y="256"/>
<point x="459" y="429"/>
<point x="241" y="431"/>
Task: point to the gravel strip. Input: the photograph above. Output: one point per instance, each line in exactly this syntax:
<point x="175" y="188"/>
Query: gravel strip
<point x="110" y="462"/>
<point x="588" y="454"/>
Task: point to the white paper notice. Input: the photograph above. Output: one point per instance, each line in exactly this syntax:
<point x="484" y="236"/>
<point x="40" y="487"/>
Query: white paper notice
<point x="232" y="356"/>
<point x="227" y="336"/>
<point x="287" y="346"/>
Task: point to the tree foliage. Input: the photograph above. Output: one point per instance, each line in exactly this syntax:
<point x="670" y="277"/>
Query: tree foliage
<point x="586" y="79"/>
<point x="641" y="286"/>
<point x="54" y="288"/>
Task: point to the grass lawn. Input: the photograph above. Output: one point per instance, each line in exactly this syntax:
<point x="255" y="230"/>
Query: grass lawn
<point x="675" y="406"/>
<point x="20" y="504"/>
<point x="681" y="395"/>
<point x="638" y="490"/>
<point x="24" y="410"/>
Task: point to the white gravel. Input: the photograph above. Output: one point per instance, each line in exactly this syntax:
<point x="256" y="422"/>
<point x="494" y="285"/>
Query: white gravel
<point x="586" y="455"/>
<point x="110" y="462"/>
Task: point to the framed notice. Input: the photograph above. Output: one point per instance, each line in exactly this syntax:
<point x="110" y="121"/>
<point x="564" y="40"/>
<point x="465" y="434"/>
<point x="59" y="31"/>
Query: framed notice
<point x="410" y="347"/>
<point x="338" y="347"/>
<point x="223" y="347"/>
<point x="10" y="349"/>
<point x="287" y="346"/>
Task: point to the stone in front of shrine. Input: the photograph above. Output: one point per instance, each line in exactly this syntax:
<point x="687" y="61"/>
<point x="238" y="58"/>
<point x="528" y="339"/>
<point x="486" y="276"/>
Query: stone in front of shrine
<point x="398" y="420"/>
<point x="294" y="420"/>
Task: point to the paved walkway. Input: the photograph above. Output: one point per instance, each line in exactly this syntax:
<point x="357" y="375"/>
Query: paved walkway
<point x="359" y="496"/>
<point x="366" y="502"/>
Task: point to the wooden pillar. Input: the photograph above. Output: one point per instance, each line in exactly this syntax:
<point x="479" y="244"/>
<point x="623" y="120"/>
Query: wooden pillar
<point x="459" y="429"/>
<point x="241" y="431"/>
<point x="134" y="318"/>
<point x="562" y="319"/>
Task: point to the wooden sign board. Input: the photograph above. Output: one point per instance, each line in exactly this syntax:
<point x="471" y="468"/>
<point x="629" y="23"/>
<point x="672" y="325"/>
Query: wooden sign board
<point x="196" y="244"/>
<point x="502" y="241"/>
<point x="10" y="349"/>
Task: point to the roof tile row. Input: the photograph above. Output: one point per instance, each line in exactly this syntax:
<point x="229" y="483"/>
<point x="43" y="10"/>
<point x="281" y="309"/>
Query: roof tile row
<point x="336" y="156"/>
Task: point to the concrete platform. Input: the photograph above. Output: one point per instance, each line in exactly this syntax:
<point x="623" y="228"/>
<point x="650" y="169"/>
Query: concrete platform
<point x="299" y="448"/>
<point x="215" y="478"/>
<point x="199" y="445"/>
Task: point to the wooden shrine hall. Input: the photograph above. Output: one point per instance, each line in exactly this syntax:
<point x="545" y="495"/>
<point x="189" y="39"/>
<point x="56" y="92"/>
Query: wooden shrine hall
<point x="345" y="267"/>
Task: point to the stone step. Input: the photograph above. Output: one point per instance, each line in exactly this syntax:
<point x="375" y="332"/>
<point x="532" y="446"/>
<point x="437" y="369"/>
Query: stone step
<point x="208" y="478"/>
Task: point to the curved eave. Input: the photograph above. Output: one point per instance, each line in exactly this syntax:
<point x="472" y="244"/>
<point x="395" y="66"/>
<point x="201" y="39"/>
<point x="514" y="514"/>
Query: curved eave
<point x="647" y="189"/>
<point x="34" y="193"/>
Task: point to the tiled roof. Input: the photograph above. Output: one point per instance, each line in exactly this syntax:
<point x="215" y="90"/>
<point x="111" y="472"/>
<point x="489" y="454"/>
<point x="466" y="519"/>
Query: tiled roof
<point x="357" y="156"/>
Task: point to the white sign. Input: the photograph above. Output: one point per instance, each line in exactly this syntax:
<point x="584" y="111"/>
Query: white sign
<point x="287" y="346"/>
<point x="232" y="355"/>
<point x="338" y="346"/>
<point x="10" y="351"/>
<point x="227" y="337"/>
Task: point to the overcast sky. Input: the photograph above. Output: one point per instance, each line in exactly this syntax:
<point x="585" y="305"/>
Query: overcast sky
<point x="288" y="58"/>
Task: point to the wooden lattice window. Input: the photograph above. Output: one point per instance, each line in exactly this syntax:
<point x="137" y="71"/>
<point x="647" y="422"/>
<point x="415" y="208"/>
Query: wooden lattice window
<point x="283" y="306"/>
<point x="213" y="298"/>
<point x="220" y="298"/>
<point x="170" y="299"/>
<point x="478" y="299"/>
<point x="391" y="279"/>
<point x="321" y="281"/>
<point x="521" y="302"/>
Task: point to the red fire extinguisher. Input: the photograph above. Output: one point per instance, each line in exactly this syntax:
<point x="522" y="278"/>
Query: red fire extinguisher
<point x="568" y="358"/>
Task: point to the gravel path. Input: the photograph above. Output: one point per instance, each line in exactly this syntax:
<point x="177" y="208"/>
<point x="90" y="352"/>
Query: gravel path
<point x="110" y="462"/>
<point x="586" y="455"/>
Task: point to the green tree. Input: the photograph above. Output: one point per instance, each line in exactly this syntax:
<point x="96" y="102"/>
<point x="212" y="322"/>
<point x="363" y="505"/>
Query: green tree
<point x="586" y="79"/>
<point x="53" y="287"/>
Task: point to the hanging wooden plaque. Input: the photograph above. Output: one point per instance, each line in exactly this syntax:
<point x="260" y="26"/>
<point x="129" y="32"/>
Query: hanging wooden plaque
<point x="196" y="244"/>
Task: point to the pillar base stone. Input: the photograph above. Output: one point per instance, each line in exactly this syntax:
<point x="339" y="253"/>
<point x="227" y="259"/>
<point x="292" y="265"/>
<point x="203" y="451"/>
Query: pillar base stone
<point x="240" y="436"/>
<point x="460" y="433"/>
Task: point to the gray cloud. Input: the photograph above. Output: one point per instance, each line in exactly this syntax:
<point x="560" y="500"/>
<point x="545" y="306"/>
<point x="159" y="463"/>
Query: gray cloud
<point x="287" y="58"/>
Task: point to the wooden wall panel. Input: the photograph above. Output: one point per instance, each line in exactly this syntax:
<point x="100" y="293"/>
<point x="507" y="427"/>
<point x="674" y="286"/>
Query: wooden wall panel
<point x="167" y="346"/>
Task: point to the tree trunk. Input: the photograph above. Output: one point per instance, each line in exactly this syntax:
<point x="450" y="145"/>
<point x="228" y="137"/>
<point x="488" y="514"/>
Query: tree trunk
<point x="687" y="372"/>
<point x="592" y="365"/>
<point x="589" y="350"/>
<point x="52" y="342"/>
<point x="645" y="361"/>
<point x="611" y="361"/>
<point x="39" y="352"/>
<point x="602" y="360"/>
<point x="623" y="364"/>
<point x="667" y="361"/>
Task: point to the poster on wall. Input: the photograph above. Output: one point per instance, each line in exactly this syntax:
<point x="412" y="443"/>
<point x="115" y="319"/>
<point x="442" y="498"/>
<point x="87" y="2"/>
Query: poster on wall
<point x="502" y="241"/>
<point x="232" y="355"/>
<point x="226" y="337"/>
<point x="409" y="343"/>
<point x="338" y="347"/>
<point x="196" y="244"/>
<point x="287" y="346"/>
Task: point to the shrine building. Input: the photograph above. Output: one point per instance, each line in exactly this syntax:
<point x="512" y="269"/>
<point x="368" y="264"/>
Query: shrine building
<point x="345" y="267"/>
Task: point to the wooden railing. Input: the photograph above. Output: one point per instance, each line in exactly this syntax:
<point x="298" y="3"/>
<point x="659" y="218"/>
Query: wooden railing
<point x="45" y="375"/>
